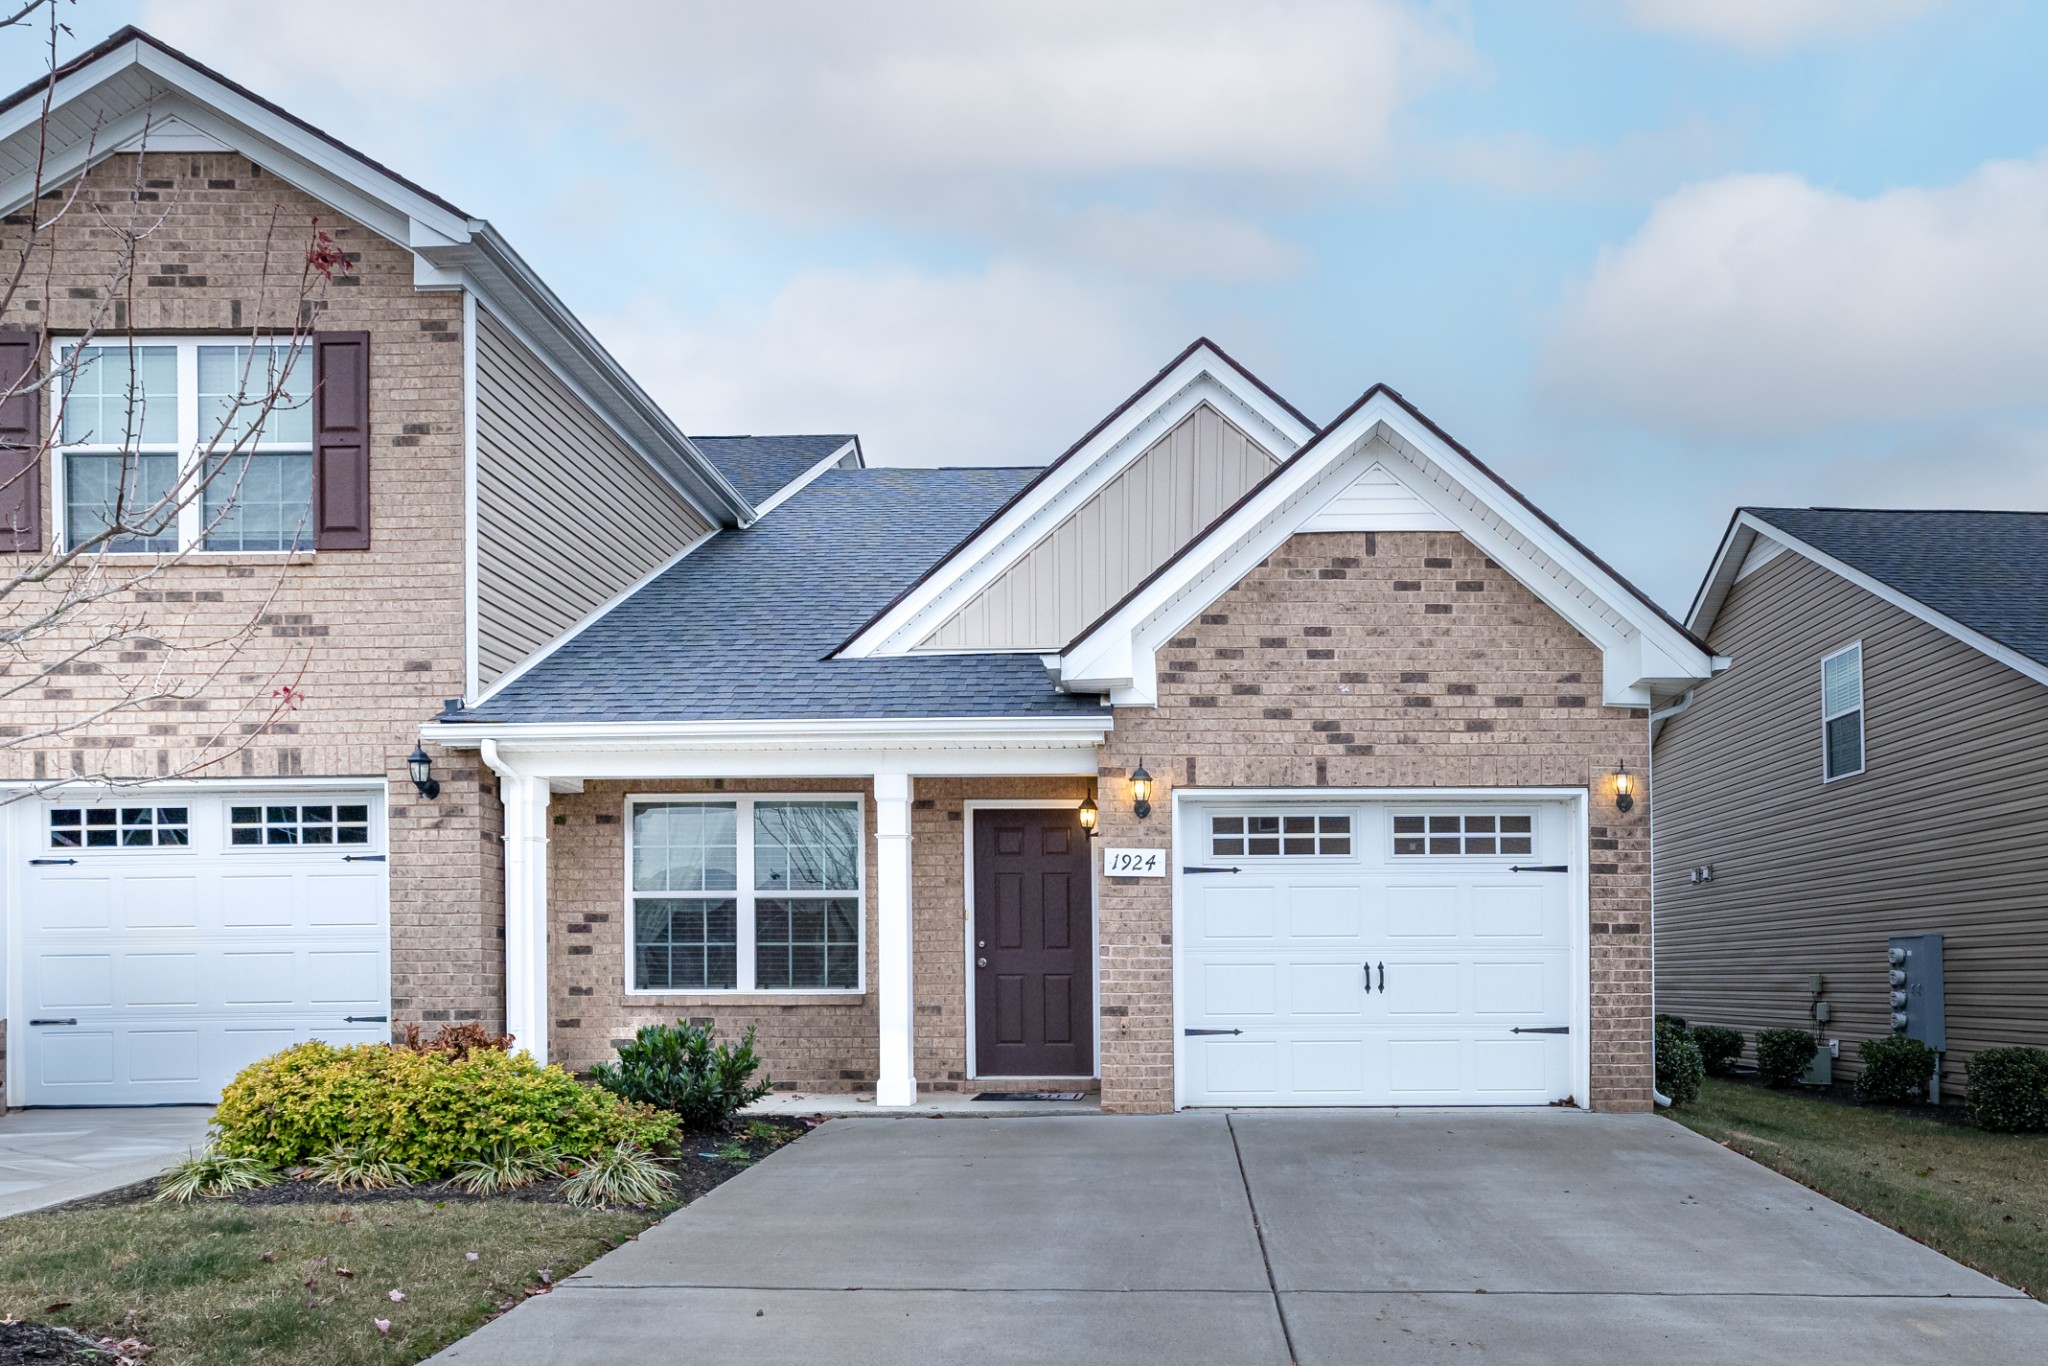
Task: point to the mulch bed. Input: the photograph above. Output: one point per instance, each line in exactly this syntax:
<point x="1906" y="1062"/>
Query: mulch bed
<point x="35" y="1344"/>
<point x="697" y="1167"/>
<point x="1844" y="1093"/>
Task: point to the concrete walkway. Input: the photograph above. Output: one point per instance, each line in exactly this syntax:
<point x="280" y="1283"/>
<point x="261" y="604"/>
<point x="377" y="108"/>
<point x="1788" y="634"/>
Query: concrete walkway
<point x="1253" y="1237"/>
<point x="50" y="1156"/>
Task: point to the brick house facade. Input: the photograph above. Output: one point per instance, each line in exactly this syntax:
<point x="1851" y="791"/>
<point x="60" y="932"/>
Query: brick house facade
<point x="840" y="755"/>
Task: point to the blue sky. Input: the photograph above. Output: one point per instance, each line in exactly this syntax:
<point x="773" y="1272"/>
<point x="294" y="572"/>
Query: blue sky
<point x="1648" y="258"/>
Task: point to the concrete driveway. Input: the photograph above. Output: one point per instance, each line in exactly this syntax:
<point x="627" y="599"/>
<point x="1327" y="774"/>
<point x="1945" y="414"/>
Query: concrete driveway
<point x="1253" y="1237"/>
<point x="50" y="1156"/>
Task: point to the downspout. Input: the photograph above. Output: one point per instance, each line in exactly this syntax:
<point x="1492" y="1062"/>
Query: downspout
<point x="1650" y="789"/>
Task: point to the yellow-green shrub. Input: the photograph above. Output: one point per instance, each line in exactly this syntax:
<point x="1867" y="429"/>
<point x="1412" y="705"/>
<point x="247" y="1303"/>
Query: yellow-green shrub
<point x="431" y="1111"/>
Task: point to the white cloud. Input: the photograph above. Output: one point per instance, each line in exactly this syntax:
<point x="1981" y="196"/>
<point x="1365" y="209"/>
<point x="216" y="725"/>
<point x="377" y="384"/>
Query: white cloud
<point x="1772" y="27"/>
<point x="1003" y="366"/>
<point x="1760" y="304"/>
<point x="930" y="114"/>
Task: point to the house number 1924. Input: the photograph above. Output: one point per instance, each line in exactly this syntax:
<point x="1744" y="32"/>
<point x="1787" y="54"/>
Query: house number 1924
<point x="1134" y="863"/>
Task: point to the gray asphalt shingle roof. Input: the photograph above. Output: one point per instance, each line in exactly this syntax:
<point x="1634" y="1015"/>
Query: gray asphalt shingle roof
<point x="758" y="466"/>
<point x="738" y="629"/>
<point x="1986" y="570"/>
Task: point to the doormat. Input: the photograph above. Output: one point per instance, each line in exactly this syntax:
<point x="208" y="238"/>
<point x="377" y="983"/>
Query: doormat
<point x="1032" y="1095"/>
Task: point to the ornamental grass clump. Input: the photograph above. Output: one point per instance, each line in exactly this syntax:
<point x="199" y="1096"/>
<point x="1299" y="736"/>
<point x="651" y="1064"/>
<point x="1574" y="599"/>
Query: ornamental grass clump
<point x="506" y="1166"/>
<point x="624" y="1174"/>
<point x="429" y="1112"/>
<point x="212" y="1173"/>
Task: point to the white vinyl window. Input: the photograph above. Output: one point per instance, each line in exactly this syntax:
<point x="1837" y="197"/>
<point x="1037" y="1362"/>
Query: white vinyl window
<point x="1841" y="713"/>
<point x="131" y="422"/>
<point x="745" y="894"/>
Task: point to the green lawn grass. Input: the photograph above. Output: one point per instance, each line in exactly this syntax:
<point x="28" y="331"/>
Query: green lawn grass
<point x="210" y="1283"/>
<point x="1980" y="1198"/>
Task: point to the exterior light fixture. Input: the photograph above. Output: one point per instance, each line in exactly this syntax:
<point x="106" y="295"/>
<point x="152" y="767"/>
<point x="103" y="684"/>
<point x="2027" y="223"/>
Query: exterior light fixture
<point x="1089" y="814"/>
<point x="1141" y="791"/>
<point x="1624" y="788"/>
<point x="422" y="766"/>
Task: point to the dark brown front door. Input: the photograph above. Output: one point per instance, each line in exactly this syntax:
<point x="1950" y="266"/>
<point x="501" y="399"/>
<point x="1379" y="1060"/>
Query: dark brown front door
<point x="1034" y="948"/>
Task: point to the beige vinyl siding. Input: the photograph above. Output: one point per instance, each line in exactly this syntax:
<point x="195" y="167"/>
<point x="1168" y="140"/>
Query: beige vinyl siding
<point x="1945" y="830"/>
<point x="1179" y="485"/>
<point x="568" y="515"/>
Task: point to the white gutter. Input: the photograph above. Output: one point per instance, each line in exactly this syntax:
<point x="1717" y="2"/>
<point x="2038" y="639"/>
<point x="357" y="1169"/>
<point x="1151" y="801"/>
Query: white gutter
<point x="1663" y="1101"/>
<point x="919" y="732"/>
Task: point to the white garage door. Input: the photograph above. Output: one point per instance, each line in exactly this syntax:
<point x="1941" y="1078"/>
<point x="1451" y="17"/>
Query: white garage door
<point x="1375" y="954"/>
<point x="168" y="940"/>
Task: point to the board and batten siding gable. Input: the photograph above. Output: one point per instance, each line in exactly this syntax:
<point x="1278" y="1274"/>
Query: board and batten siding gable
<point x="568" y="514"/>
<point x="1945" y="830"/>
<point x="1174" y="489"/>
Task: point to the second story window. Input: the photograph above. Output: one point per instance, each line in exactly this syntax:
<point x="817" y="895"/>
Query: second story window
<point x="1841" y="712"/>
<point x="186" y="445"/>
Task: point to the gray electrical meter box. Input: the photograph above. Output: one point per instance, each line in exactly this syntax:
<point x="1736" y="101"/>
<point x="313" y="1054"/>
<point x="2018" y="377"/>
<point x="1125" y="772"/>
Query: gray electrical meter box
<point x="1919" y="1010"/>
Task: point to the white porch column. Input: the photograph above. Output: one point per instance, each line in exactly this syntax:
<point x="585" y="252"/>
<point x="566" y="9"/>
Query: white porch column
<point x="895" y="1083"/>
<point x="526" y="905"/>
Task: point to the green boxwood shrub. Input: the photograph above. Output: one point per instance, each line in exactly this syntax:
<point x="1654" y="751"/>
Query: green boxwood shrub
<point x="1719" y="1047"/>
<point x="1895" y="1070"/>
<point x="1675" y="1021"/>
<point x="431" y="1111"/>
<point x="1679" y="1066"/>
<point x="1783" y="1055"/>
<point x="680" y="1069"/>
<point x="2009" y="1090"/>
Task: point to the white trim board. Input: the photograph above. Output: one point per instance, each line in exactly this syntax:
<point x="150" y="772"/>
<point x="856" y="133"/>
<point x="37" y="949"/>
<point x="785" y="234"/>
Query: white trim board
<point x="1747" y="528"/>
<point x="809" y="477"/>
<point x="1644" y="656"/>
<point x="968" y="807"/>
<point x="1203" y="376"/>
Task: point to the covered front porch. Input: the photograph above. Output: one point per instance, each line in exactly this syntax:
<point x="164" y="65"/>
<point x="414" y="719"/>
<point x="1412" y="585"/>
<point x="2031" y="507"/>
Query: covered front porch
<point x="815" y="882"/>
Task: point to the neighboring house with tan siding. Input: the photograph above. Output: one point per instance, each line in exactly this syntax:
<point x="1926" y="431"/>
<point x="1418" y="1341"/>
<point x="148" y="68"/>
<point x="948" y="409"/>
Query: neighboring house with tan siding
<point x="1873" y="762"/>
<point x="1227" y="759"/>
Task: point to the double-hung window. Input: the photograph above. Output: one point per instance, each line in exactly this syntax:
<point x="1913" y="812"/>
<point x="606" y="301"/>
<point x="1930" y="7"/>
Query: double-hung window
<point x="1841" y="713"/>
<point x="745" y="894"/>
<point x="190" y="444"/>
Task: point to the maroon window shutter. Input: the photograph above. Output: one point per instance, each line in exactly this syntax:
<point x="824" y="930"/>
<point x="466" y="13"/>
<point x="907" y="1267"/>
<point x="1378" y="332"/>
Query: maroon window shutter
<point x="21" y="441"/>
<point x="341" y="440"/>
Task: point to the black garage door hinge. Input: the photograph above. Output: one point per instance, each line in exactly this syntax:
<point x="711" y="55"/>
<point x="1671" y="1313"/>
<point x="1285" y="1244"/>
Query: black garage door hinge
<point x="1540" y="868"/>
<point x="363" y="858"/>
<point x="366" y="1019"/>
<point x="1542" y="1029"/>
<point x="1211" y="870"/>
<point x="46" y="862"/>
<point x="65" y="1021"/>
<point x="1213" y="1031"/>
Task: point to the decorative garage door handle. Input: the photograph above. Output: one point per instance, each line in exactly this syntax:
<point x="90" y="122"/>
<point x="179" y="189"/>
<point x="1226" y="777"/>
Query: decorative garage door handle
<point x="46" y="862"/>
<point x="1210" y="870"/>
<point x="1540" y="868"/>
<point x="1543" y="1029"/>
<point x="366" y="1019"/>
<point x="1383" y="979"/>
<point x="362" y="858"/>
<point x="68" y="1021"/>
<point x="1212" y="1031"/>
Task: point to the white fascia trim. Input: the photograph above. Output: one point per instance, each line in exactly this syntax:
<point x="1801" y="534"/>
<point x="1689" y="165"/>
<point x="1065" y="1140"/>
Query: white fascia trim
<point x="526" y="665"/>
<point x="1912" y="606"/>
<point x="806" y="479"/>
<point x="472" y="656"/>
<point x="1728" y="557"/>
<point x="1202" y="377"/>
<point x="1638" y="646"/>
<point x="1021" y="732"/>
<point x="77" y="786"/>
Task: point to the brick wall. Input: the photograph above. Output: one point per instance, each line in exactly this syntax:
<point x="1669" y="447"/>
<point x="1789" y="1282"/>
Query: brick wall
<point x="810" y="1043"/>
<point x="373" y="639"/>
<point x="1399" y="659"/>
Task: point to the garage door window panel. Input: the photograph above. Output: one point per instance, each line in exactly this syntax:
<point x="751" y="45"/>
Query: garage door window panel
<point x="1281" y="835"/>
<point x="126" y="827"/>
<point x="753" y="894"/>
<point x="321" y="824"/>
<point x="1462" y="834"/>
